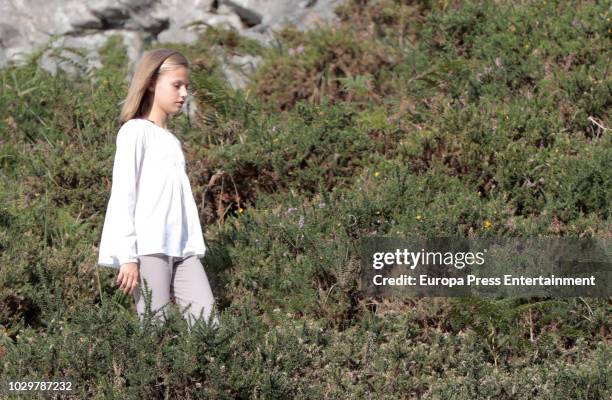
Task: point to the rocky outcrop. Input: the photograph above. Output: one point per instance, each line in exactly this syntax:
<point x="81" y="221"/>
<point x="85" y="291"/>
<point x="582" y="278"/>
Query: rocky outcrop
<point x="51" y="26"/>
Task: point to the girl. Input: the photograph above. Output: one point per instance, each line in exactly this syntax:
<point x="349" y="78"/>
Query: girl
<point x="152" y="229"/>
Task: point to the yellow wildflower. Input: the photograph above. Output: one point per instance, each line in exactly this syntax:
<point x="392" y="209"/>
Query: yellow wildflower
<point x="487" y="224"/>
<point x="376" y="173"/>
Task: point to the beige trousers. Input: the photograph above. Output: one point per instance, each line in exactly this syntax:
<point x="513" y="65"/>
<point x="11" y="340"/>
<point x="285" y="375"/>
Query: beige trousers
<point x="164" y="278"/>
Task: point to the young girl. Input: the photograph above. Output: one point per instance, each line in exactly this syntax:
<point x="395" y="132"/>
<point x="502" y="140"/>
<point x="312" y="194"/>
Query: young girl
<point x="152" y="228"/>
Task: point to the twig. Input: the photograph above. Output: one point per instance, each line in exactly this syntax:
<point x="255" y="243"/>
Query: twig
<point x="589" y="307"/>
<point x="599" y="124"/>
<point x="328" y="292"/>
<point x="531" y="327"/>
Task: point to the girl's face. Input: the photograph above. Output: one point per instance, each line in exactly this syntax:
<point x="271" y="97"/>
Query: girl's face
<point x="170" y="90"/>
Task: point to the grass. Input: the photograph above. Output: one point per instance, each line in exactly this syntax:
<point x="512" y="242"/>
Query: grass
<point x="432" y="118"/>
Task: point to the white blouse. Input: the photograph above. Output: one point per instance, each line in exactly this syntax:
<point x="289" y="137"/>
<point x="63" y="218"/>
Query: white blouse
<point x="151" y="207"/>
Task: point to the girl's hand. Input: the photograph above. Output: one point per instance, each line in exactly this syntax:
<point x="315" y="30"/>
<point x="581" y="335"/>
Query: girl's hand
<point x="128" y="277"/>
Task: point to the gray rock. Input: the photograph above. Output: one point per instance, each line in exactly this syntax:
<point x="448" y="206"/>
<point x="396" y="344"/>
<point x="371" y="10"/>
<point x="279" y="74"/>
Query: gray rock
<point x="237" y="69"/>
<point x="86" y="25"/>
<point x="248" y="16"/>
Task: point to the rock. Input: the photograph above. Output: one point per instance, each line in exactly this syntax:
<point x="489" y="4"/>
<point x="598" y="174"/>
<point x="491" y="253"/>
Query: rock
<point x="249" y="17"/>
<point x="51" y="24"/>
<point x="237" y="69"/>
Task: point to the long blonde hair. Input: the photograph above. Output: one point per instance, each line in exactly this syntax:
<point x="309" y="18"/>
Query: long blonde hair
<point x="152" y="63"/>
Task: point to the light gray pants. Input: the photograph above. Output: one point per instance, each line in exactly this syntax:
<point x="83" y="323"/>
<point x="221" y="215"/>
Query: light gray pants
<point x="183" y="279"/>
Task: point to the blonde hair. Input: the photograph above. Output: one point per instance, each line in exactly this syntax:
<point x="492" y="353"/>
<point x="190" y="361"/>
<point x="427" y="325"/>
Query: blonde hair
<point x="153" y="63"/>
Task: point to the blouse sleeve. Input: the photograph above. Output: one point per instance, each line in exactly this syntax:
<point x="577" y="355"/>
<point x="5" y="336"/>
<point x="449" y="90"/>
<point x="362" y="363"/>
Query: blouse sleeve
<point x="119" y="233"/>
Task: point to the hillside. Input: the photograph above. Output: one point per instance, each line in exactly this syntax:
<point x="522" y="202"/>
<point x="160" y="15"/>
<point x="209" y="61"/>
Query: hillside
<point x="433" y="118"/>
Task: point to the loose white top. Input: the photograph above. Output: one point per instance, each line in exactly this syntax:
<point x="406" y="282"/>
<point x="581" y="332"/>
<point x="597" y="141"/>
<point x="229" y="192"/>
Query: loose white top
<point x="151" y="207"/>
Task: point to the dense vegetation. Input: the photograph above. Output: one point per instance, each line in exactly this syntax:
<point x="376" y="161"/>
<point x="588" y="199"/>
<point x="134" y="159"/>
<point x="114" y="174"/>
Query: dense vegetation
<point x="429" y="117"/>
